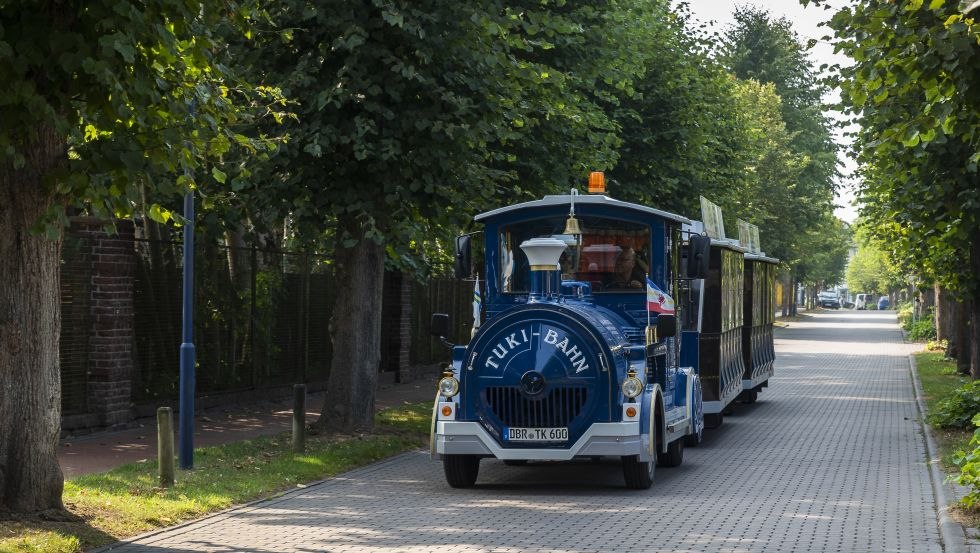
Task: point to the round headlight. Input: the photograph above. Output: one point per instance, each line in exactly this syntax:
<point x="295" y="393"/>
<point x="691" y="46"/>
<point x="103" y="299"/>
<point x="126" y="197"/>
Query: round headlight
<point x="448" y="386"/>
<point x="632" y="387"/>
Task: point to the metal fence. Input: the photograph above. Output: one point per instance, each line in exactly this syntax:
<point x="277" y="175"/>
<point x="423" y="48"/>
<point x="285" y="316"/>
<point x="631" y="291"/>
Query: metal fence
<point x="440" y="296"/>
<point x="261" y="319"/>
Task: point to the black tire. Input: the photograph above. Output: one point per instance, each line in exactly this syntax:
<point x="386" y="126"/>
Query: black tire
<point x="638" y="474"/>
<point x="515" y="462"/>
<point x="674" y="456"/>
<point x="694" y="440"/>
<point x="713" y="420"/>
<point x="461" y="470"/>
<point x="750" y="396"/>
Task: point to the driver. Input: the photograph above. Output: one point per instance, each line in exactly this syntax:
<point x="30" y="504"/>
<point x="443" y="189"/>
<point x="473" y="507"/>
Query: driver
<point x="627" y="273"/>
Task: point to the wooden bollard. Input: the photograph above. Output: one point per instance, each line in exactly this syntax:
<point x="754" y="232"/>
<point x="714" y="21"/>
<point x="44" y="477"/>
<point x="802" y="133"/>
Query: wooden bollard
<point x="299" y="418"/>
<point x="165" y="446"/>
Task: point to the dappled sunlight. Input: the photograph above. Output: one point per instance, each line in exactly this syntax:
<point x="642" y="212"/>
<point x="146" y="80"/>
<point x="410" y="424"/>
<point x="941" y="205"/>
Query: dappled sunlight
<point x="866" y="398"/>
<point x="859" y="350"/>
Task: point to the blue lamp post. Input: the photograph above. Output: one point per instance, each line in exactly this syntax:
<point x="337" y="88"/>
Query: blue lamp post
<point x="187" y="352"/>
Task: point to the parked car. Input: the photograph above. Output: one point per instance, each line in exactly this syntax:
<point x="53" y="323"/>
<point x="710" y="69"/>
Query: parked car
<point x="883" y="302"/>
<point x="828" y="299"/>
<point x="862" y="301"/>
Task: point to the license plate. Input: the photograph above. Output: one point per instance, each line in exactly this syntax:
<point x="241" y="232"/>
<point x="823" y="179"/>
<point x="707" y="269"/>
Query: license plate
<point x="537" y="434"/>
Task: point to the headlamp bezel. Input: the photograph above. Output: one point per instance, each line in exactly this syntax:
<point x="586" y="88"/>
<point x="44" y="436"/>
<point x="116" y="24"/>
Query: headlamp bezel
<point x="632" y="382"/>
<point x="453" y="386"/>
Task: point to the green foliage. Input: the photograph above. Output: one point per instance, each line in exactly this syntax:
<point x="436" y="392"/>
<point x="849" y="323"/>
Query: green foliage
<point x="912" y="89"/>
<point x="790" y="177"/>
<point x="823" y="251"/>
<point x="958" y="408"/>
<point x="871" y="270"/>
<point x="682" y="132"/>
<point x="920" y="329"/>
<point x="904" y="313"/>
<point x="968" y="462"/>
<point x="413" y="116"/>
<point x="135" y="94"/>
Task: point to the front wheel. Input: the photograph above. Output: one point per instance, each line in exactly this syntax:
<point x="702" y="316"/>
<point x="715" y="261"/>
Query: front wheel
<point x="461" y="470"/>
<point x="638" y="474"/>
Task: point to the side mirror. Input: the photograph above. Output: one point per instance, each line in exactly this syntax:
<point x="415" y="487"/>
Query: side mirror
<point x="439" y="326"/>
<point x="462" y="263"/>
<point x="698" y="254"/>
<point x="666" y="326"/>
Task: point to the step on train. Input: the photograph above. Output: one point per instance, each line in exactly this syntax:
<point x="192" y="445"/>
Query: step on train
<point x="609" y="328"/>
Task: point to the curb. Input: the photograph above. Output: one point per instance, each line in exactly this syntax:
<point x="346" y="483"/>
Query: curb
<point x="951" y="532"/>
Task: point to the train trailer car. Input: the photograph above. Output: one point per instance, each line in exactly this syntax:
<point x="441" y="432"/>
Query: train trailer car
<point x="713" y="345"/>
<point x="758" y="351"/>
<point x="570" y="363"/>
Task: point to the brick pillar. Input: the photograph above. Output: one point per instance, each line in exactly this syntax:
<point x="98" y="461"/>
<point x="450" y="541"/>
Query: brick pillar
<point x="112" y="333"/>
<point x="404" y="329"/>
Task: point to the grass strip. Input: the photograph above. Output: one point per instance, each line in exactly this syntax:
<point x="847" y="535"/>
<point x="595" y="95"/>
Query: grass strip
<point x="126" y="501"/>
<point x="939" y="379"/>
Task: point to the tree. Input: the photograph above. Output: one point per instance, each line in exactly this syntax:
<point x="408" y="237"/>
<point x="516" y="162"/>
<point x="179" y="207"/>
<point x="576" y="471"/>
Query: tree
<point x="826" y="244"/>
<point x="414" y="116"/>
<point x="871" y="269"/>
<point x="912" y="89"/>
<point x="767" y="50"/>
<point x="97" y="97"/>
<point x="682" y="131"/>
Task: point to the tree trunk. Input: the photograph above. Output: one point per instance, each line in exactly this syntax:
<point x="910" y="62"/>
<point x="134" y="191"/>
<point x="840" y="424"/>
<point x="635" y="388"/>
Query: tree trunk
<point x="974" y="294"/>
<point x="946" y="310"/>
<point x="792" y="287"/>
<point x="355" y="330"/>
<point x="784" y="300"/>
<point x="30" y="326"/>
<point x="962" y="327"/>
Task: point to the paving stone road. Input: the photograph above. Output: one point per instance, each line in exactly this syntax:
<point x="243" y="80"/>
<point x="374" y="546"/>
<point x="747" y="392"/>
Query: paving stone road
<point x="831" y="458"/>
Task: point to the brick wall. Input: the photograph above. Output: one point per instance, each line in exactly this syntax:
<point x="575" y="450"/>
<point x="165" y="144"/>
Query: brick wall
<point x="111" y="336"/>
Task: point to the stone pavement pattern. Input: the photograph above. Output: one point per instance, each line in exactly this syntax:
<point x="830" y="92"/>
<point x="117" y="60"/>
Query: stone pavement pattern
<point x="831" y="458"/>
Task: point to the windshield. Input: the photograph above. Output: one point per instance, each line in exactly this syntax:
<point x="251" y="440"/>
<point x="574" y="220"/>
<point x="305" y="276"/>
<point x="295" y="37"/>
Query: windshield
<point x="611" y="255"/>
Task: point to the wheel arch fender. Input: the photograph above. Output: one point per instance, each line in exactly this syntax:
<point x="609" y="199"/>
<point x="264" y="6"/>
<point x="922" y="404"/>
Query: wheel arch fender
<point x="654" y="420"/>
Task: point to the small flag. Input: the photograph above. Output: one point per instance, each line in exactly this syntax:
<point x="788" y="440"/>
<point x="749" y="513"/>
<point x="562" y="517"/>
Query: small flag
<point x="476" y="304"/>
<point x="658" y="301"/>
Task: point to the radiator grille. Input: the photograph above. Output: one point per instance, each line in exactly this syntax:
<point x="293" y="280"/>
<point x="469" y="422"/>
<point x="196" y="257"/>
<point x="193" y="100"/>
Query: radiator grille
<point x="554" y="409"/>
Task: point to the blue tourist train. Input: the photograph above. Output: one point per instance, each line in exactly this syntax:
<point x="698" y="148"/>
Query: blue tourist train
<point x="579" y="354"/>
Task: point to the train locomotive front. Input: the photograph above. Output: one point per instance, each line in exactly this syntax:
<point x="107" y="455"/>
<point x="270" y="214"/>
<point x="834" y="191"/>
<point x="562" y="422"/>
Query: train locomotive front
<point x="566" y="365"/>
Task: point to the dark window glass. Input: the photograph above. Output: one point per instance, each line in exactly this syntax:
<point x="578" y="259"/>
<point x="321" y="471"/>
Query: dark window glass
<point x="611" y="255"/>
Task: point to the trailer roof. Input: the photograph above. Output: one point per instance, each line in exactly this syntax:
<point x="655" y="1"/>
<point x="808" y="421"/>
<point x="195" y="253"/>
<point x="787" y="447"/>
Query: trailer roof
<point x="761" y="257"/>
<point x="582" y="199"/>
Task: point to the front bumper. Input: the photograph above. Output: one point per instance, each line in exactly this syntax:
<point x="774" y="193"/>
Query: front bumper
<point x="602" y="438"/>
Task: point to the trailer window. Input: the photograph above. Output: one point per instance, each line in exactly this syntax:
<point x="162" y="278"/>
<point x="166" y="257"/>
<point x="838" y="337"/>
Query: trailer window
<point x="611" y="255"/>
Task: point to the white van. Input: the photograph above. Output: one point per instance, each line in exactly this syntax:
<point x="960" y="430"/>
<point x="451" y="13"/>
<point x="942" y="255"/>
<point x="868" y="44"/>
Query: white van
<point x="863" y="300"/>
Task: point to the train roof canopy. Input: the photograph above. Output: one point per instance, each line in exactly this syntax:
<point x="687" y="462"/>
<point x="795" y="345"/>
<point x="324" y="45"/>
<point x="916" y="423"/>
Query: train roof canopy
<point x="761" y="257"/>
<point x="582" y="199"/>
